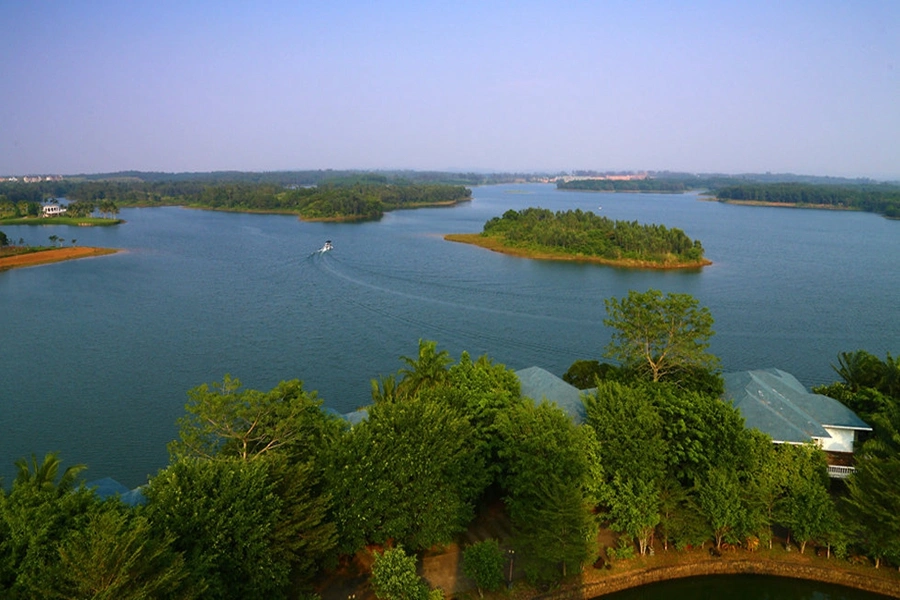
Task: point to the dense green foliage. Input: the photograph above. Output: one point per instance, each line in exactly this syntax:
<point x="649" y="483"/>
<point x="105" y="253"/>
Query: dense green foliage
<point x="391" y="490"/>
<point x="483" y="563"/>
<point x="871" y="387"/>
<point x="224" y="516"/>
<point x="860" y="194"/>
<point x="60" y="541"/>
<point x="348" y="197"/>
<point x="879" y="198"/>
<point x="671" y="186"/>
<point x="265" y="489"/>
<point x="552" y="472"/>
<point x="665" y="337"/>
<point x="585" y="234"/>
<point x="394" y="576"/>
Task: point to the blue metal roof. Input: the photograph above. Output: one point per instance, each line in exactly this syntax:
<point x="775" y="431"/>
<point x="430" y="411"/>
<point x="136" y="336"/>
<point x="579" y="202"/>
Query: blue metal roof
<point x="539" y="384"/>
<point x="774" y="402"/>
<point x="109" y="487"/>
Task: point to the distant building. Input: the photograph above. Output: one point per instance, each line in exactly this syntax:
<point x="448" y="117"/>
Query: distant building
<point x="53" y="210"/>
<point x="775" y="403"/>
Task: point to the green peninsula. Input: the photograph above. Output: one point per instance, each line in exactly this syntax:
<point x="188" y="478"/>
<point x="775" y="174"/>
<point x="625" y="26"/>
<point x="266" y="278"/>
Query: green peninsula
<point x="583" y="236"/>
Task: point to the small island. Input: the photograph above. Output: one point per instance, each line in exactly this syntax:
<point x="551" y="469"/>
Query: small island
<point x="583" y="236"/>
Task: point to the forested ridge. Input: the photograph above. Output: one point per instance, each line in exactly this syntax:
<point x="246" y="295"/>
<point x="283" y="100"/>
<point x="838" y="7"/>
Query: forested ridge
<point x="576" y="232"/>
<point x="266" y="490"/>
<point x="878" y="198"/>
<point x="350" y="197"/>
<point x="865" y="195"/>
<point x="670" y="186"/>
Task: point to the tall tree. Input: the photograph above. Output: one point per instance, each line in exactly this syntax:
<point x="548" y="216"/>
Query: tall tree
<point x="873" y="499"/>
<point x="719" y="498"/>
<point x="634" y="508"/>
<point x="411" y="472"/>
<point x="805" y="507"/>
<point x="116" y="556"/>
<point x="552" y="479"/>
<point x="858" y="369"/>
<point x="224" y="420"/>
<point x="41" y="510"/>
<point x="223" y="516"/>
<point x="429" y="368"/>
<point x="660" y="335"/>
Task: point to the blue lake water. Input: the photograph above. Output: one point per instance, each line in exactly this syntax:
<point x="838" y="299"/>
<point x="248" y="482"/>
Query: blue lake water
<point x="98" y="354"/>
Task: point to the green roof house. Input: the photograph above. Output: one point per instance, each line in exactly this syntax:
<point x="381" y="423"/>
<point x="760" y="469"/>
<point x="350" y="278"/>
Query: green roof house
<point x="778" y="405"/>
<point x="539" y="384"/>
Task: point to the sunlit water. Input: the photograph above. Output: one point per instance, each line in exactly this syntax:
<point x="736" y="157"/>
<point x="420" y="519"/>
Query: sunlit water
<point x="98" y="354"/>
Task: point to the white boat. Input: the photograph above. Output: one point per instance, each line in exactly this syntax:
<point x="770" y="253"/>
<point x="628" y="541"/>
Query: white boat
<point x="326" y="247"/>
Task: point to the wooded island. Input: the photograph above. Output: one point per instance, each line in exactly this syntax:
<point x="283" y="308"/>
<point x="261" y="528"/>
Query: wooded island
<point x="584" y="236"/>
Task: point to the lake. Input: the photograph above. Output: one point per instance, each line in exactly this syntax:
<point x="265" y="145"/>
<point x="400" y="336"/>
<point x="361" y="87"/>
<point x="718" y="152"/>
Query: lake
<point x="98" y="354"/>
<point x="741" y="587"/>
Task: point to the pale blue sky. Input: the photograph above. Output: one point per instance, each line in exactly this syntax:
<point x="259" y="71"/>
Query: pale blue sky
<point x="805" y="87"/>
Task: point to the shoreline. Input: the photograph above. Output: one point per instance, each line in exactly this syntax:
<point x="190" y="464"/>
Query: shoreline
<point x="476" y="239"/>
<point x="777" y="204"/>
<point x="601" y="584"/>
<point x="54" y="255"/>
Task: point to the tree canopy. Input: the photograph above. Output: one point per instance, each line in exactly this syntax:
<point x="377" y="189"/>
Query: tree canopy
<point x="664" y="336"/>
<point x="578" y="233"/>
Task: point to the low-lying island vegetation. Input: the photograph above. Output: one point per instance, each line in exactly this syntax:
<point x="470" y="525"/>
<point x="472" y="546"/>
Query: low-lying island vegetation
<point x="340" y="197"/>
<point x="583" y="236"/>
<point x="883" y="199"/>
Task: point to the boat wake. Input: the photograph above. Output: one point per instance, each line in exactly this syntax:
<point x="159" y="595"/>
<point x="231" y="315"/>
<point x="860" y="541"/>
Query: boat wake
<point x="328" y="246"/>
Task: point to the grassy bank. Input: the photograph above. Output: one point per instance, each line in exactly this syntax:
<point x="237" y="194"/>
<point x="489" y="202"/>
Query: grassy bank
<point x="677" y="565"/>
<point x="76" y="221"/>
<point x="49" y="255"/>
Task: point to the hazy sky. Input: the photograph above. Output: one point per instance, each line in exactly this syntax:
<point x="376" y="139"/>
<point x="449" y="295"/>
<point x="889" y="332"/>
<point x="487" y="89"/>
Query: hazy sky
<point x="731" y="86"/>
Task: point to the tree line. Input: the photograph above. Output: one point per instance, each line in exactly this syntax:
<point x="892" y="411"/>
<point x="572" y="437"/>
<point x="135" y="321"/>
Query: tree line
<point x="883" y="199"/>
<point x="359" y="197"/>
<point x="650" y="184"/>
<point x="265" y="490"/>
<point x="583" y="233"/>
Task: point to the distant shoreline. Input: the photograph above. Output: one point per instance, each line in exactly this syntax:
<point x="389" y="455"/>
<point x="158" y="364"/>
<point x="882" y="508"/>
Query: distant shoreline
<point x="52" y="255"/>
<point x="777" y="204"/>
<point x="495" y="245"/>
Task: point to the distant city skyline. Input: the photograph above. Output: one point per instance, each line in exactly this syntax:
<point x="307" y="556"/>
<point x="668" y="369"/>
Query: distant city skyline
<point x="800" y="87"/>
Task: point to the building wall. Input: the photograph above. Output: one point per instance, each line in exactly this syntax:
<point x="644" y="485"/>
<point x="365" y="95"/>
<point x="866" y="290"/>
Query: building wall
<point x="841" y="440"/>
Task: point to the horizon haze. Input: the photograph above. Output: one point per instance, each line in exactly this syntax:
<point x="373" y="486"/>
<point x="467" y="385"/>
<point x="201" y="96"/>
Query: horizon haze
<point x="801" y="87"/>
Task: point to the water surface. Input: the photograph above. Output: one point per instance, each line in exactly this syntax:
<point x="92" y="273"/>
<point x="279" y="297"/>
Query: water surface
<point x="99" y="353"/>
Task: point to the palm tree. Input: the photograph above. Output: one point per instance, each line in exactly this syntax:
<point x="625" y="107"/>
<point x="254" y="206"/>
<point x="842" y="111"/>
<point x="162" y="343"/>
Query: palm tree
<point x="889" y="383"/>
<point x="428" y="370"/>
<point x="384" y="389"/>
<point x="43" y="476"/>
<point x="858" y="369"/>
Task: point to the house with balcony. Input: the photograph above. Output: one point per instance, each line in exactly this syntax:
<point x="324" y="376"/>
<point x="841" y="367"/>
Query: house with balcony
<point x="53" y="210"/>
<point x="775" y="403"/>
